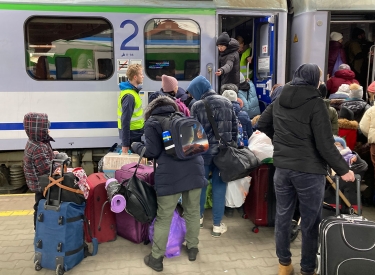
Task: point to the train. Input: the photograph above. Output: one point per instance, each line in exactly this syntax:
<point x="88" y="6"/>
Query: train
<point x="67" y="58"/>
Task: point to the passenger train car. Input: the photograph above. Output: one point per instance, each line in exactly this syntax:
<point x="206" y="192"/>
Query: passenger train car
<point x="66" y="59"/>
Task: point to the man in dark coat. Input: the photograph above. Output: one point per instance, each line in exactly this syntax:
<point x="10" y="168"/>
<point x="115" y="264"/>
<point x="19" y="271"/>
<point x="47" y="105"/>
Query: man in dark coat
<point x="226" y="121"/>
<point x="173" y="178"/>
<point x="302" y="149"/>
<point x="229" y="60"/>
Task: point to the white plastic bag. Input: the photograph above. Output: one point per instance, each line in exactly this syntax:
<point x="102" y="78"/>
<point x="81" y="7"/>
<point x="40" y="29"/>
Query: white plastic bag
<point x="237" y="191"/>
<point x="261" y="145"/>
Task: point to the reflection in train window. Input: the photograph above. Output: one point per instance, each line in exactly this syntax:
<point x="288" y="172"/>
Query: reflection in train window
<point x="172" y="47"/>
<point x="69" y="48"/>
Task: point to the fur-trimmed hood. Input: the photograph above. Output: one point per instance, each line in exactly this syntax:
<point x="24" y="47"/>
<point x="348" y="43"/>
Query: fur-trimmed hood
<point x="347" y="124"/>
<point x="162" y="101"/>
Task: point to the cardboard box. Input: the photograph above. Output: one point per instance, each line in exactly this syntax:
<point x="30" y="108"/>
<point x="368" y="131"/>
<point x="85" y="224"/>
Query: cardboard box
<point x="114" y="161"/>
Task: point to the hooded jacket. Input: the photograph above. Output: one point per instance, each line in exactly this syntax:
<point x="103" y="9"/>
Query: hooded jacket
<point x="222" y="110"/>
<point x="340" y="77"/>
<point x="358" y="106"/>
<point x="303" y="139"/>
<point x="229" y="62"/>
<point x="172" y="176"/>
<point x="244" y="118"/>
<point x="247" y="93"/>
<point x="38" y="152"/>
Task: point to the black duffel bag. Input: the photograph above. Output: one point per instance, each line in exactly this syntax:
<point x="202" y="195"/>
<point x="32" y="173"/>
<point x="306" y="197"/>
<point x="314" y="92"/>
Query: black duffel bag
<point x="233" y="162"/>
<point x="61" y="187"/>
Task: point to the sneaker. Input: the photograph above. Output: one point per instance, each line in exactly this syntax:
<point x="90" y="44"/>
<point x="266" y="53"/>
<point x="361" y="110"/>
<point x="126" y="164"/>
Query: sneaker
<point x="218" y="230"/>
<point x="155" y="264"/>
<point x="201" y="222"/>
<point x="192" y="253"/>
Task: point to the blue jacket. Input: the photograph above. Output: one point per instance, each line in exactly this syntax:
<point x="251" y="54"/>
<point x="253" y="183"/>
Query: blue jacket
<point x="247" y="93"/>
<point x="244" y="119"/>
<point x="172" y="176"/>
<point x="223" y="113"/>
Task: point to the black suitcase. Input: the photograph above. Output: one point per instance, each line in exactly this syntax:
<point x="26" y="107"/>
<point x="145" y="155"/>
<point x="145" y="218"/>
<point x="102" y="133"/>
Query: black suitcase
<point x="347" y="242"/>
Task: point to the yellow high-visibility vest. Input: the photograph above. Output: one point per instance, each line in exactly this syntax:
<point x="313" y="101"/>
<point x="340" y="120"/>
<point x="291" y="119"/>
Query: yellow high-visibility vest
<point x="137" y="121"/>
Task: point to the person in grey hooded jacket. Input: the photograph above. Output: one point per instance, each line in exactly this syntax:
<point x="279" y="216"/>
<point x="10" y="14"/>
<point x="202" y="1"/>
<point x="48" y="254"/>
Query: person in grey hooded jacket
<point x="225" y="118"/>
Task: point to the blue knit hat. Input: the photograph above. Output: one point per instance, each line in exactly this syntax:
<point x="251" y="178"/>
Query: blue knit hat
<point x="341" y="140"/>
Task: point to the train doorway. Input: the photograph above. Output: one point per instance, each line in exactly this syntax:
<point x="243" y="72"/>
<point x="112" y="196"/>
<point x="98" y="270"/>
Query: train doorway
<point x="257" y="38"/>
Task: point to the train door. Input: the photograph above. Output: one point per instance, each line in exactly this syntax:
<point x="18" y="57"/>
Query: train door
<point x="257" y="32"/>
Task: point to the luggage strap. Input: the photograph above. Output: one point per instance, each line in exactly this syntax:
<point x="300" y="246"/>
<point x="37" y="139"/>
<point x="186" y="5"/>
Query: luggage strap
<point x="58" y="183"/>
<point x="93" y="240"/>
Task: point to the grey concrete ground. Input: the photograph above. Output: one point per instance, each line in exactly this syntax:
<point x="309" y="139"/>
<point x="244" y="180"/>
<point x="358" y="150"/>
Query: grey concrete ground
<point x="239" y="251"/>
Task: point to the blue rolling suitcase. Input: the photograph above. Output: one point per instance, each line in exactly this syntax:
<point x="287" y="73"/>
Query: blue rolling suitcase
<point x="59" y="236"/>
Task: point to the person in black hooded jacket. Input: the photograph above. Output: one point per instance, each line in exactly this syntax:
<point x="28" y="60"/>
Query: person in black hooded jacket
<point x="173" y="178"/>
<point x="302" y="149"/>
<point x="229" y="60"/>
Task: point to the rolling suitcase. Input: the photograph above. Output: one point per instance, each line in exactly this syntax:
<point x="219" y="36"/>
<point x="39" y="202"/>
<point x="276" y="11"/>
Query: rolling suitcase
<point x="347" y="242"/>
<point x="59" y="236"/>
<point x="127" y="226"/>
<point x="260" y="203"/>
<point x="98" y="212"/>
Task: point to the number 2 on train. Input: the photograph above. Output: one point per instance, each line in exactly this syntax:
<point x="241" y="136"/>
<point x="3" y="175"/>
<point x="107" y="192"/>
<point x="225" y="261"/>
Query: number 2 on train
<point x="130" y="37"/>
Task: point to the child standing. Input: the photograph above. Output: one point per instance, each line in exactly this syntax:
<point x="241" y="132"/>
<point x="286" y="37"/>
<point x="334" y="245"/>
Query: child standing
<point x="38" y="153"/>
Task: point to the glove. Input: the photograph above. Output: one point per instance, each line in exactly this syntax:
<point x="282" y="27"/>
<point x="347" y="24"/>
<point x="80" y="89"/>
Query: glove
<point x="135" y="146"/>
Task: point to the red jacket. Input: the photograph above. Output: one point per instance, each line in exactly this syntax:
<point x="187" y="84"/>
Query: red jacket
<point x="38" y="151"/>
<point x="341" y="77"/>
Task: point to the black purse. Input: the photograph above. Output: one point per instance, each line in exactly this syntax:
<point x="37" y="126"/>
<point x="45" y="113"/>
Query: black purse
<point x="233" y="162"/>
<point x="140" y="197"/>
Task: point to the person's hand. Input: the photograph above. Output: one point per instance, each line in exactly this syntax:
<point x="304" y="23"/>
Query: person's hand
<point x="55" y="152"/>
<point x="135" y="145"/>
<point x="328" y="76"/>
<point x="125" y="150"/>
<point x="353" y="159"/>
<point x="249" y="59"/>
<point x="219" y="72"/>
<point x="348" y="176"/>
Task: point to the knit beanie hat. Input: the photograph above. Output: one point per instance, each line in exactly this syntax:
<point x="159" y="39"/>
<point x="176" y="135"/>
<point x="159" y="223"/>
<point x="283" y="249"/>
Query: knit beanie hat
<point x="223" y="39"/>
<point x="239" y="100"/>
<point x="346" y="113"/>
<point x="371" y="91"/>
<point x="343" y="89"/>
<point x="242" y="78"/>
<point x="336" y="36"/>
<point x="356" y="91"/>
<point x="168" y="83"/>
<point x="230" y="94"/>
<point x="228" y="86"/>
<point x="341" y="140"/>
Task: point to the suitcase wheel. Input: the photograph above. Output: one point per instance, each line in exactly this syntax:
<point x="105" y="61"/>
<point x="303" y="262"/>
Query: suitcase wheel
<point x="255" y="229"/>
<point x="244" y="216"/>
<point x="59" y="270"/>
<point x="37" y="266"/>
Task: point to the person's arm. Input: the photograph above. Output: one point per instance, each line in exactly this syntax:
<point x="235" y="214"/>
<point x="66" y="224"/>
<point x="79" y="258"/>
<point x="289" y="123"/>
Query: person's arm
<point x="234" y="127"/>
<point x="365" y="123"/>
<point x="228" y="65"/>
<point x="334" y="122"/>
<point x="128" y="105"/>
<point x="265" y="122"/>
<point x="154" y="143"/>
<point x="42" y="159"/>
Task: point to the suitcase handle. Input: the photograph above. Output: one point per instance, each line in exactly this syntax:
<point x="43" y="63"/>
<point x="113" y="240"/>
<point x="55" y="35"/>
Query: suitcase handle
<point x="358" y="182"/>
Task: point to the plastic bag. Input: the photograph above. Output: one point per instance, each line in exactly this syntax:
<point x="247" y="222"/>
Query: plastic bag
<point x="261" y="145"/>
<point x="176" y="235"/>
<point x="237" y="191"/>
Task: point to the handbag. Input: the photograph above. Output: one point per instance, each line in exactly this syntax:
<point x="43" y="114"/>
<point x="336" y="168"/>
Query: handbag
<point x="233" y="162"/>
<point x="140" y="197"/>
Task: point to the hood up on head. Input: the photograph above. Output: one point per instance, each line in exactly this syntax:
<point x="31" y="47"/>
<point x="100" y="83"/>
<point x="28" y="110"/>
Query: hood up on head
<point x="198" y="86"/>
<point x="294" y="96"/>
<point x="307" y="74"/>
<point x="276" y="93"/>
<point x="36" y="126"/>
<point x="161" y="101"/>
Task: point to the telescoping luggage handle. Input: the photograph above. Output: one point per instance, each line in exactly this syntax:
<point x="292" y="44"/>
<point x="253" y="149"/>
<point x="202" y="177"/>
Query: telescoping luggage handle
<point x="358" y="182"/>
<point x="140" y="159"/>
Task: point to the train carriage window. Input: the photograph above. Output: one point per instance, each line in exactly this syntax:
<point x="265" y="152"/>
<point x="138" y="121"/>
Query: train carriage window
<point x="64" y="48"/>
<point x="172" y="47"/>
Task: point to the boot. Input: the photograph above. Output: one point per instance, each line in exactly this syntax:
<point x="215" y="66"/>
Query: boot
<point x="307" y="273"/>
<point x="192" y="253"/>
<point x="286" y="269"/>
<point x="155" y="264"/>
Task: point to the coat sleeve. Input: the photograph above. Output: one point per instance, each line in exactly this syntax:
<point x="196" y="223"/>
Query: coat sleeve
<point x="127" y="112"/>
<point x="334" y="121"/>
<point x="42" y="160"/>
<point x="154" y="143"/>
<point x="228" y="64"/>
<point x="234" y="127"/>
<point x="329" y="86"/>
<point x="324" y="142"/>
<point x="365" y="123"/>
<point x="265" y="122"/>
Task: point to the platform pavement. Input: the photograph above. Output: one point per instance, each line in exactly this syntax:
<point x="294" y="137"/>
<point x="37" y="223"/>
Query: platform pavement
<point x="239" y="251"/>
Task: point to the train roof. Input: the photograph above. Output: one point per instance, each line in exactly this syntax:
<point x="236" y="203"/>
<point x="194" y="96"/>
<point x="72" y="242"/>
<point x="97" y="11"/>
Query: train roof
<point x="280" y="5"/>
<point x="333" y="5"/>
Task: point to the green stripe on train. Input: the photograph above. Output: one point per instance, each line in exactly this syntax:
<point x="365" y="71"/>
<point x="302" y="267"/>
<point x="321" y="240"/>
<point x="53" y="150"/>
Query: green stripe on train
<point x="102" y="9"/>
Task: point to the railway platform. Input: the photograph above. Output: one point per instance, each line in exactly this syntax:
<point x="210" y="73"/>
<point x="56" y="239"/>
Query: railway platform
<point x="237" y="252"/>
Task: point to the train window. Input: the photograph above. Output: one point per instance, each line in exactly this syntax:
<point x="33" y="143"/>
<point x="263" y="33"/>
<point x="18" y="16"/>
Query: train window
<point x="68" y="48"/>
<point x="172" y="47"/>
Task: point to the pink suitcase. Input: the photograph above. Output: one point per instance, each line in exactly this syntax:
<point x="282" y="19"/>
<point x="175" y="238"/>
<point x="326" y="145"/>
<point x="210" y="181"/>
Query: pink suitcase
<point x="127" y="226"/>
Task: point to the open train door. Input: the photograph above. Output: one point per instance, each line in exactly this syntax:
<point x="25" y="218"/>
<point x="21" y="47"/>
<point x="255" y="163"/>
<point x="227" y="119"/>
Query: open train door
<point x="264" y="56"/>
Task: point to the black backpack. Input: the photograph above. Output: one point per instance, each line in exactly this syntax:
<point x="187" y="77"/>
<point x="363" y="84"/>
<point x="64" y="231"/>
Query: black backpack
<point x="188" y="136"/>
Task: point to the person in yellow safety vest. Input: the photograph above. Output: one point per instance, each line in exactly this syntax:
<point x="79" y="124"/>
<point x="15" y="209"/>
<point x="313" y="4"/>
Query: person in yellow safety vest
<point x="130" y="119"/>
<point x="245" y="57"/>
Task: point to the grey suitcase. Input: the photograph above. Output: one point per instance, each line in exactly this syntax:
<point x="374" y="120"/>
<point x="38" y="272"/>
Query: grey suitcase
<point x="347" y="242"/>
